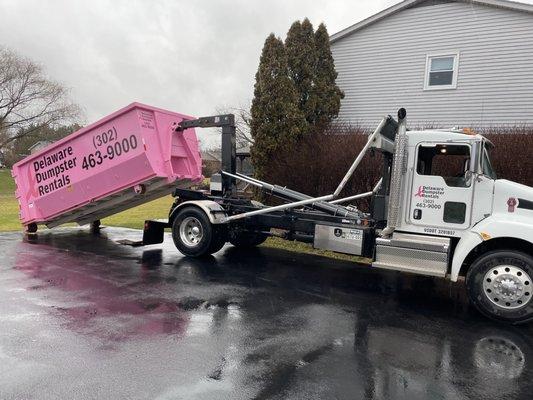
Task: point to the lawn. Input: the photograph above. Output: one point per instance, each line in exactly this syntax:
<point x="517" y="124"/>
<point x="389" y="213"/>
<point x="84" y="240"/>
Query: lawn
<point x="9" y="209"/>
<point x="134" y="218"/>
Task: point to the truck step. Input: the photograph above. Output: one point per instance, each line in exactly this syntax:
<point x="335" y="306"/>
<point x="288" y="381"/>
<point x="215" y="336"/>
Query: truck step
<point x="419" y="254"/>
<point x="419" y="242"/>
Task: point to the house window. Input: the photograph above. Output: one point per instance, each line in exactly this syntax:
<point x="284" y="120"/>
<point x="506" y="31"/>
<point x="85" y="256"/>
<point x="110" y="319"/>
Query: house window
<point x="441" y="71"/>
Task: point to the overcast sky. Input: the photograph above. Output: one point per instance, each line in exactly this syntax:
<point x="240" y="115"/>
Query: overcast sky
<point x="194" y="57"/>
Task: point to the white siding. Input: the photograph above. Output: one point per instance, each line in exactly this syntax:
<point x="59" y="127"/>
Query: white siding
<point x="381" y="67"/>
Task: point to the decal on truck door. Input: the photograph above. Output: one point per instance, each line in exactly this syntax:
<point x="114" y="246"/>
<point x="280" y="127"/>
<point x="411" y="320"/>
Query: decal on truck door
<point x="430" y="197"/>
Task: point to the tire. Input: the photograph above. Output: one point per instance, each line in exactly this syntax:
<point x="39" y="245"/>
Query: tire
<point x="219" y="240"/>
<point x="31" y="228"/>
<point x="193" y="233"/>
<point x="500" y="286"/>
<point x="247" y="239"/>
<point x="95" y="226"/>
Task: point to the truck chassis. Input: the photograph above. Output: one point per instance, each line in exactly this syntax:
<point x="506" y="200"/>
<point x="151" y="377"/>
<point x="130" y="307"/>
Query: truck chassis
<point x="498" y="272"/>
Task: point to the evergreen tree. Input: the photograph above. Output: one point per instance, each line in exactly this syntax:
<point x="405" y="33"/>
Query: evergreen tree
<point x="276" y="120"/>
<point x="328" y="95"/>
<point x="302" y="61"/>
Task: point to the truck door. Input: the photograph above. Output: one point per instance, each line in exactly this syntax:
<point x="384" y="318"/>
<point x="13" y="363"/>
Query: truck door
<point x="441" y="191"/>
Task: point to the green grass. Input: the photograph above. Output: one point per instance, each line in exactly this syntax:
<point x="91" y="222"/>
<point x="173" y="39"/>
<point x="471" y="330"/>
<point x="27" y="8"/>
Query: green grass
<point x="7" y="185"/>
<point x="134" y="218"/>
<point x="9" y="209"/>
<point x="299" y="247"/>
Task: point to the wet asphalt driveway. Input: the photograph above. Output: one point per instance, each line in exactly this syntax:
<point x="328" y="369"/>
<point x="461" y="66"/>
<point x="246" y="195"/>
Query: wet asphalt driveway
<point x="84" y="317"/>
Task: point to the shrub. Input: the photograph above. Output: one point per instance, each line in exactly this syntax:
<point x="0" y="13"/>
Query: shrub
<point x="511" y="157"/>
<point x="322" y="159"/>
<point x="320" y="162"/>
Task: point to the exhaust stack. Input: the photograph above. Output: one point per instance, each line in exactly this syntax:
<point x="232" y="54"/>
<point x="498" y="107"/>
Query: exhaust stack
<point x="398" y="171"/>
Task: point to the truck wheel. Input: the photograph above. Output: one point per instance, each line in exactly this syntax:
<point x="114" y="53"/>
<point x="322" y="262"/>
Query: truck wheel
<point x="247" y="239"/>
<point x="500" y="285"/>
<point x="193" y="233"/>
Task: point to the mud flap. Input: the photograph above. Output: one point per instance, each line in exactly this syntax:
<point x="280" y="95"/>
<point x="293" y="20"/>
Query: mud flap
<point x="153" y="233"/>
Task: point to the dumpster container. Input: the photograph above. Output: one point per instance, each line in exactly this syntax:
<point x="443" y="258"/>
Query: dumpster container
<point x="125" y="159"/>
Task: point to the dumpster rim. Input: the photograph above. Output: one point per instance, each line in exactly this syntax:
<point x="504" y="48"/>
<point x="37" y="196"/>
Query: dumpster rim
<point x="95" y="124"/>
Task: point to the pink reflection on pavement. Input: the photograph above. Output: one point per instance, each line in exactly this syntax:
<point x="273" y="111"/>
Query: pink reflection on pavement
<point x="109" y="298"/>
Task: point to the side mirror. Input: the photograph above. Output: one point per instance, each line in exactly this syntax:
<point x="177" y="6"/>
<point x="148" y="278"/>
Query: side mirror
<point x="475" y="157"/>
<point x="468" y="177"/>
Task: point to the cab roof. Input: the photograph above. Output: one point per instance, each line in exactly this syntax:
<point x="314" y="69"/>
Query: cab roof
<point x="443" y="135"/>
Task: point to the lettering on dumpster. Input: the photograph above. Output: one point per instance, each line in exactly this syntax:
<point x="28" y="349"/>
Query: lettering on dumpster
<point x="101" y="139"/>
<point x="146" y="119"/>
<point x="115" y="148"/>
<point x="52" y="171"/>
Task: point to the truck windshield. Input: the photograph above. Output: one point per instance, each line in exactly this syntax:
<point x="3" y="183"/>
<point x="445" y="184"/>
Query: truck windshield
<point x="486" y="164"/>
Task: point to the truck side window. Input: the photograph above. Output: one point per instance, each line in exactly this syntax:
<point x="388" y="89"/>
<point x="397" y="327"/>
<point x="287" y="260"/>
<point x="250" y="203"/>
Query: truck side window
<point x="449" y="161"/>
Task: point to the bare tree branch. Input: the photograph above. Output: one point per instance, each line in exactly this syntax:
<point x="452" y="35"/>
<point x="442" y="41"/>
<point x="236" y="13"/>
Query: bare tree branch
<point x="242" y="124"/>
<point x="29" y="98"/>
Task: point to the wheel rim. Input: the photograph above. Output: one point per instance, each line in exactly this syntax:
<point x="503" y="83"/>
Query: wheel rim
<point x="507" y="286"/>
<point x="191" y="231"/>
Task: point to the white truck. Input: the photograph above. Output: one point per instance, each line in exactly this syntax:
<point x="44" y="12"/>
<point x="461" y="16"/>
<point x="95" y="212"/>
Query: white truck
<point x="438" y="210"/>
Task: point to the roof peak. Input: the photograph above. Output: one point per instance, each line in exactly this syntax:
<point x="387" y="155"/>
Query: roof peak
<point x="504" y="4"/>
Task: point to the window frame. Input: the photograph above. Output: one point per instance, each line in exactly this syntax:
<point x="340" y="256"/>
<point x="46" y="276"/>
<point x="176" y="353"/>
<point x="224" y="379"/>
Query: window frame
<point x="429" y="57"/>
<point x="486" y="162"/>
<point x="443" y="143"/>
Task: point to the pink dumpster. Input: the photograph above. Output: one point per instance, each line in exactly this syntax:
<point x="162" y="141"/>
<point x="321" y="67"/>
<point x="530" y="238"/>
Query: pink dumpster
<point x="125" y="159"/>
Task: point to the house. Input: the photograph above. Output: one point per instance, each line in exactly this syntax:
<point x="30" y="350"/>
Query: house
<point x="39" y="146"/>
<point x="449" y="63"/>
<point x="244" y="162"/>
<point x="210" y="161"/>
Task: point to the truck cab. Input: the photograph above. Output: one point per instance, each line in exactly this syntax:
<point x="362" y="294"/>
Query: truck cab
<point x="458" y="219"/>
